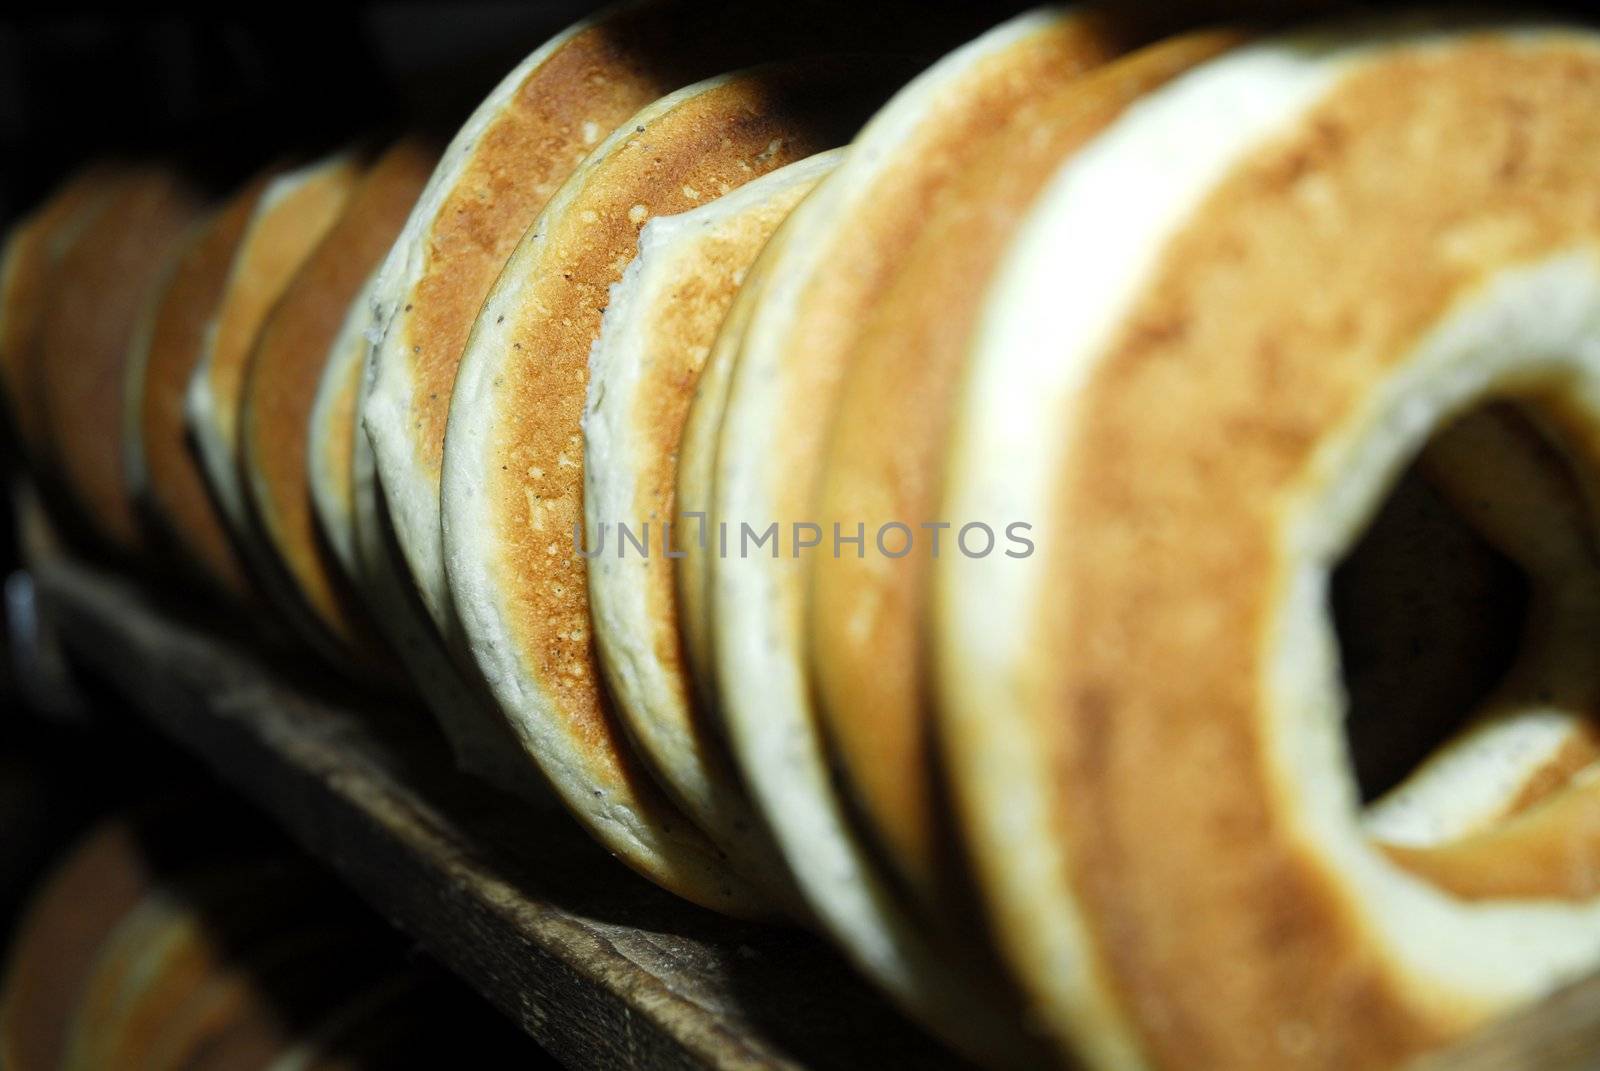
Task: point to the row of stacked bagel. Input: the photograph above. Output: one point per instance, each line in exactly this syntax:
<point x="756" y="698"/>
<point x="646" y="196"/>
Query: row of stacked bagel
<point x="169" y="938"/>
<point x="629" y="422"/>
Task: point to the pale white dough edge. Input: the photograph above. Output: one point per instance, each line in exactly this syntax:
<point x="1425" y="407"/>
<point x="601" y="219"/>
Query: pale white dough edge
<point x="341" y="369"/>
<point x="479" y="738"/>
<point x="1094" y="235"/>
<point x="652" y="701"/>
<point x="1472" y="779"/>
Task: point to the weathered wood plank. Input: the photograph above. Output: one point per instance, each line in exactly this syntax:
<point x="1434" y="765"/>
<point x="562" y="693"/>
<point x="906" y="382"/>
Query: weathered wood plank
<point x="599" y="966"/>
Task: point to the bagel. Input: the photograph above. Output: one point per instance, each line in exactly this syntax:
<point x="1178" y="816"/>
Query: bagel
<point x="880" y="460"/>
<point x="280" y="385"/>
<point x="33" y="251"/>
<point x="166" y="950"/>
<point x="53" y="947"/>
<point x="103" y="282"/>
<point x="481" y="741"/>
<point x="177" y="512"/>
<point x="288" y="222"/>
<point x="513" y="486"/>
<point x="331" y="437"/>
<point x="657" y="331"/>
<point x="837" y="253"/>
<point x="1195" y="388"/>
<point x="483" y="744"/>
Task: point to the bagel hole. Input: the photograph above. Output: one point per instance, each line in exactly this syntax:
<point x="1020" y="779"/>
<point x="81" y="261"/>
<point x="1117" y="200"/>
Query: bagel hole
<point x="1431" y="615"/>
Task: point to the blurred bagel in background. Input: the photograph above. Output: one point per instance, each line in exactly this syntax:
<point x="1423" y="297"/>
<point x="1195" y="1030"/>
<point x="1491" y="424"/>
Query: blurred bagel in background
<point x="290" y="218"/>
<point x="33" y="251"/>
<point x="182" y="520"/>
<point x="279" y="388"/>
<point x="880" y="463"/>
<point x="101" y="285"/>
<point x="158" y="943"/>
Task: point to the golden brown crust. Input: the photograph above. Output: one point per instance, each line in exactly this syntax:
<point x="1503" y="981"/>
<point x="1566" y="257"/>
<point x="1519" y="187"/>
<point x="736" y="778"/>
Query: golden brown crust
<point x="746" y="127"/>
<point x="281" y="383"/>
<point x="561" y="111"/>
<point x="181" y="516"/>
<point x="1171" y="561"/>
<point x="105" y="279"/>
<point x="521" y="588"/>
<point x="884" y="450"/>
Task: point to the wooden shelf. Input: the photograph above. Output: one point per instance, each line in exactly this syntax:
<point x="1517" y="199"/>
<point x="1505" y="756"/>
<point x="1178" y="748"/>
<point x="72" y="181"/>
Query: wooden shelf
<point x="598" y="965"/>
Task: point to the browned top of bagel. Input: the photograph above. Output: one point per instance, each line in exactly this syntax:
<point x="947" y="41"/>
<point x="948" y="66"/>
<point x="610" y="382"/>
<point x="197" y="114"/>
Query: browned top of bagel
<point x="291" y="218"/>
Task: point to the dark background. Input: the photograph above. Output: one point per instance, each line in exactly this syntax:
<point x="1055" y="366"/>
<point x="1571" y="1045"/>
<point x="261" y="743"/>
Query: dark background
<point x="230" y="87"/>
